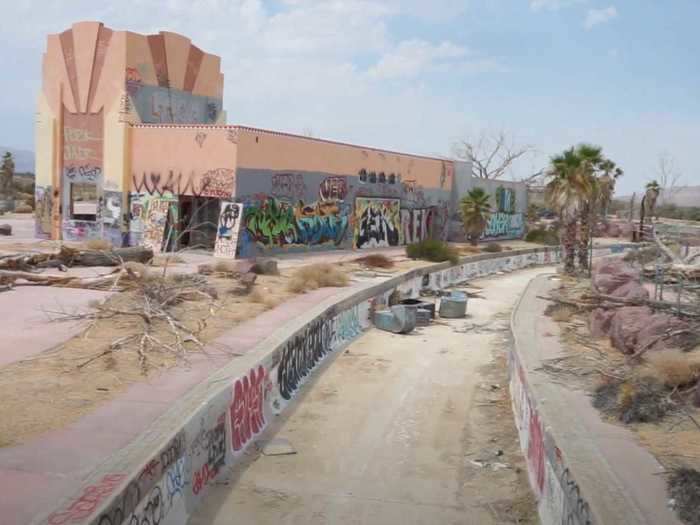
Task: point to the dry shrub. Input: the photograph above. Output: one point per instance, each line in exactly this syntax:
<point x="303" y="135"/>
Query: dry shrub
<point x="560" y="313"/>
<point x="674" y="367"/>
<point x="137" y="269"/>
<point x="315" y="276"/>
<point x="642" y="400"/>
<point x="469" y="250"/>
<point x="167" y="260"/>
<point x="376" y="260"/>
<point x="224" y="266"/>
<point x="684" y="487"/>
<point x="492" y="247"/>
<point x="98" y="245"/>
<point x="260" y="297"/>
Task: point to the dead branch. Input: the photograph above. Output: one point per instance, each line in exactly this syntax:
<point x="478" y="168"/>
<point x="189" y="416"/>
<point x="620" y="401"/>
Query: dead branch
<point x="491" y="156"/>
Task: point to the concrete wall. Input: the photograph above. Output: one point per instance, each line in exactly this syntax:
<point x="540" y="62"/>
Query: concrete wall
<point x="169" y="470"/>
<point x="307" y="194"/>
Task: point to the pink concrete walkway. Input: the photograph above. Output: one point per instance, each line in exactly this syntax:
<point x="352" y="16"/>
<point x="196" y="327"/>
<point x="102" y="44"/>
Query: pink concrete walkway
<point x="36" y="475"/>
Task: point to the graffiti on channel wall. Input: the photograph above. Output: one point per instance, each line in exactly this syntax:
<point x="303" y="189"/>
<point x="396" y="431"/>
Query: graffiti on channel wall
<point x="87" y="502"/>
<point x="247" y="414"/>
<point x="377" y="222"/>
<point x="227" y="230"/>
<point x="275" y="222"/>
<point x="301" y="354"/>
<point x="213" y="461"/>
<point x="416" y="224"/>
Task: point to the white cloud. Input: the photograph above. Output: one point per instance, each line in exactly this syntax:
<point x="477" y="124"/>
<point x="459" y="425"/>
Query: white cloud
<point x="552" y="5"/>
<point x="596" y="17"/>
<point x="410" y="58"/>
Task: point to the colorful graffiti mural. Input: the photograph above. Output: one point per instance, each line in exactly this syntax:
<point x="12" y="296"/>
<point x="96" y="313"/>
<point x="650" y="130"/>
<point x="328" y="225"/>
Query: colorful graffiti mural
<point x="274" y="222"/>
<point x="377" y="222"/>
<point x="227" y="230"/>
<point x="416" y="224"/>
<point x="504" y="222"/>
<point x="159" y="219"/>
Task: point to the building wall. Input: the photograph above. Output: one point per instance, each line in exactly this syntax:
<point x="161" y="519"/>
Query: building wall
<point x="508" y="203"/>
<point x="95" y="83"/>
<point x="302" y="193"/>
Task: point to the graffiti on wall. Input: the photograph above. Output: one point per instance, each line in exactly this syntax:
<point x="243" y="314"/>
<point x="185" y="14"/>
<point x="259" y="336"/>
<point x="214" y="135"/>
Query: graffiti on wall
<point x="247" y="410"/>
<point x="159" y="220"/>
<point x="227" y="229"/>
<point x="377" y="222"/>
<point x="333" y="188"/>
<point x="274" y="222"/>
<point x="504" y="222"/>
<point x="416" y="224"/>
<point x="163" y="105"/>
<point x="504" y="225"/>
<point x="218" y="183"/>
<point x="290" y="185"/>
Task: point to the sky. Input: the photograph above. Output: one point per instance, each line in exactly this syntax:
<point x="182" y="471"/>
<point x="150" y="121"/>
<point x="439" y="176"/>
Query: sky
<point x="418" y="75"/>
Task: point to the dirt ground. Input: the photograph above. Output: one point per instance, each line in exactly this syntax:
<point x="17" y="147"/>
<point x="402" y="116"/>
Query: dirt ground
<point x="398" y="429"/>
<point x="55" y="388"/>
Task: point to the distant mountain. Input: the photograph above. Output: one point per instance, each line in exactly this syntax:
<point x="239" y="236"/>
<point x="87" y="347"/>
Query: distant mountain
<point x="680" y="196"/>
<point x="24" y="159"/>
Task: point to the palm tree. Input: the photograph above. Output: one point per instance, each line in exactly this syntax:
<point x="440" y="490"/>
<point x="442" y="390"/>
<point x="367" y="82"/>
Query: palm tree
<point x="475" y="208"/>
<point x="651" y="194"/>
<point x="606" y="185"/>
<point x="591" y="157"/>
<point x="566" y="192"/>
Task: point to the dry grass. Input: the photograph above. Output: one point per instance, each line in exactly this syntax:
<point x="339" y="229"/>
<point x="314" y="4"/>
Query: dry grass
<point x="166" y="260"/>
<point x="98" y="244"/>
<point x="560" y="313"/>
<point x="376" y="260"/>
<point x="469" y="250"/>
<point x="314" y="276"/>
<point x="263" y="297"/>
<point x="674" y="368"/>
<point x="221" y="267"/>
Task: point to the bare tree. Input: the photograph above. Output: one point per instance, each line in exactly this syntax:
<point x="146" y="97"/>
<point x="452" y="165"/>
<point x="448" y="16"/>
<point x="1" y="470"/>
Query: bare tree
<point x="668" y="175"/>
<point x="491" y="154"/>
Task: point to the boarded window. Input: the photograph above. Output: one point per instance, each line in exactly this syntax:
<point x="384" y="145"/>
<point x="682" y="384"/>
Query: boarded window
<point x="83" y="201"/>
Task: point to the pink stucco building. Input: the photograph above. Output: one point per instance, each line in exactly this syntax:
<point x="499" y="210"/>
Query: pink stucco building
<point x="132" y="146"/>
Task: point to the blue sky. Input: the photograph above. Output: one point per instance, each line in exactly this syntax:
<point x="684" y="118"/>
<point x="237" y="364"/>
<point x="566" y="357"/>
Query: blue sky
<point x="416" y="75"/>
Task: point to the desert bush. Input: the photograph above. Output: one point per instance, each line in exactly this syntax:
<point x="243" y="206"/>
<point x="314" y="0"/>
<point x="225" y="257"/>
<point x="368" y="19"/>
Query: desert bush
<point x="492" y="247"/>
<point x="432" y="250"/>
<point x="543" y="236"/>
<point x="684" y="488"/>
<point x="638" y="400"/>
<point x="376" y="260"/>
<point x="560" y="312"/>
<point x="313" y="276"/>
<point x="258" y="296"/>
<point x="98" y="244"/>
<point x="673" y="367"/>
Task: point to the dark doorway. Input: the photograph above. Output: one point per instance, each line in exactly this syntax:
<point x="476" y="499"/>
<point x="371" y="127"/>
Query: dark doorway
<point x="198" y="219"/>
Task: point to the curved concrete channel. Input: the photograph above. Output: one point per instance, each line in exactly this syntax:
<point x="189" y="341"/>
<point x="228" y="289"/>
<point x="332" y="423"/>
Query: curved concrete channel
<point x="162" y="476"/>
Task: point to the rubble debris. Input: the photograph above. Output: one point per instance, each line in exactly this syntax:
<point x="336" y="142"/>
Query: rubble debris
<point x="399" y="319"/>
<point x="67" y="256"/>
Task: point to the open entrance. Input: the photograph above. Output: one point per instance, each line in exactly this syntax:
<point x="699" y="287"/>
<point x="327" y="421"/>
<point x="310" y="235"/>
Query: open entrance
<point x="198" y="219"/>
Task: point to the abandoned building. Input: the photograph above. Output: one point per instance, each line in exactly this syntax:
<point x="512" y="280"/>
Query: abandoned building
<point x="132" y="146"/>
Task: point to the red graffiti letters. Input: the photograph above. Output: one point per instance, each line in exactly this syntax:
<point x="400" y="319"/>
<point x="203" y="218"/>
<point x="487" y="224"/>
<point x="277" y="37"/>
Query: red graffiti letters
<point x="247" y="417"/>
<point x="87" y="503"/>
